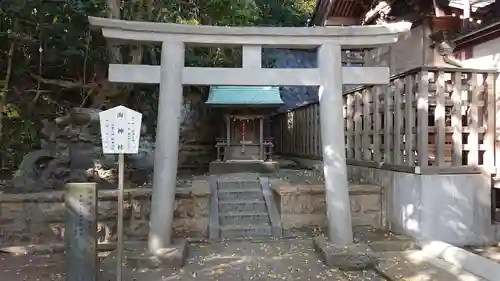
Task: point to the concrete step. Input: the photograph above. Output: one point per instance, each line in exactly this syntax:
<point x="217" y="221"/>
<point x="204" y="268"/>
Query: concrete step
<point x="225" y="185"/>
<point x="244" y="218"/>
<point x="234" y="206"/>
<point x="415" y="265"/>
<point x="241" y="193"/>
<point x="240" y="231"/>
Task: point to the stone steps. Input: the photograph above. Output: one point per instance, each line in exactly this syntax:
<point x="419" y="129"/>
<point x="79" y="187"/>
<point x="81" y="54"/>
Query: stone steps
<point x="242" y="205"/>
<point x="235" y="194"/>
<point x="242" y="209"/>
<point x="242" y="231"/>
<point x="237" y="184"/>
<point x="235" y="218"/>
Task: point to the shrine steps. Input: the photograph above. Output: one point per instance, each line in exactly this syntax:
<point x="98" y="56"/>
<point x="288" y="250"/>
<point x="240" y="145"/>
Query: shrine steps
<point x="241" y="210"/>
<point x="227" y="167"/>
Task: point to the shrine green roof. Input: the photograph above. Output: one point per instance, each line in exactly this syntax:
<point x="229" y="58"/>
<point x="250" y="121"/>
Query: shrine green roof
<point x="244" y="95"/>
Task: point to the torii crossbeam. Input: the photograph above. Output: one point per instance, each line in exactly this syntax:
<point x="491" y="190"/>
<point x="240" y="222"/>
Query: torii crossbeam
<point x="171" y="75"/>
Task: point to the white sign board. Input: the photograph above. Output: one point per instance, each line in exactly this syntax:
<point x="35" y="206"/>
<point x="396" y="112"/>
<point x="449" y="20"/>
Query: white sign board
<point x="120" y="130"/>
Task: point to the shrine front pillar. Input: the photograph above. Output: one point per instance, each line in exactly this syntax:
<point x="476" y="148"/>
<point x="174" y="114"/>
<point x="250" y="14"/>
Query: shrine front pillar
<point x="167" y="146"/>
<point x="333" y="146"/>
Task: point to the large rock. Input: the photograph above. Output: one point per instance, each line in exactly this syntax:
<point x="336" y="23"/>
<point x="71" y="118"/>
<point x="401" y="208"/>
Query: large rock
<point x="72" y="152"/>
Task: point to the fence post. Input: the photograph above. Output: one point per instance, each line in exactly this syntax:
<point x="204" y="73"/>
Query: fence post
<point x="358" y="131"/>
<point x="456" y="120"/>
<point x="409" y="119"/>
<point x="473" y="139"/>
<point x="398" y="118"/>
<point x="439" y="120"/>
<point x="388" y="124"/>
<point x="377" y="129"/>
<point x="367" y="124"/>
<point x="489" y="138"/>
<point x="422" y="119"/>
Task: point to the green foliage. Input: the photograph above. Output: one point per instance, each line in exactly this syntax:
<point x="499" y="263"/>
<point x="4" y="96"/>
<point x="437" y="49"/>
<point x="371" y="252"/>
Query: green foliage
<point x="58" y="63"/>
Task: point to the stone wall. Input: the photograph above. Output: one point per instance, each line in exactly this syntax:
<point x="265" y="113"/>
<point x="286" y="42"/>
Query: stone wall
<point x="305" y="206"/>
<point x="452" y="208"/>
<point x="38" y="218"/>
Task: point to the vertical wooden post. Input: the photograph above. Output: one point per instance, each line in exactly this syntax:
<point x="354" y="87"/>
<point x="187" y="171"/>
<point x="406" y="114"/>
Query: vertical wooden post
<point x="228" y="130"/>
<point x="350" y="125"/>
<point x="293" y="148"/>
<point x="456" y="120"/>
<point x="422" y="119"/>
<point x="439" y="120"/>
<point x="317" y="125"/>
<point x="409" y="119"/>
<point x="261" y="138"/>
<point x="357" y="126"/>
<point x="489" y="137"/>
<point x="367" y="130"/>
<point x="304" y="135"/>
<point x="473" y="139"/>
<point x="388" y="124"/>
<point x="119" y="224"/>
<point x="398" y="120"/>
<point x="310" y="120"/>
<point x="298" y="131"/>
<point x="315" y="132"/>
<point x="377" y="115"/>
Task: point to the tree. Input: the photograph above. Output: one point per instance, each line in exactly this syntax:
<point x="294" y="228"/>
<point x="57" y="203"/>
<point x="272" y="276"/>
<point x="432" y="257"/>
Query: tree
<point x="51" y="62"/>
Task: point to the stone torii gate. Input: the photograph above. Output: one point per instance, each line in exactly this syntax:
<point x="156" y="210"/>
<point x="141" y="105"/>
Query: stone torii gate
<point x="171" y="75"/>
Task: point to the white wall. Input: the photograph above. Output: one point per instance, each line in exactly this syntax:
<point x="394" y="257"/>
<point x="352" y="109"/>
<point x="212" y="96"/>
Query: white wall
<point x="485" y="55"/>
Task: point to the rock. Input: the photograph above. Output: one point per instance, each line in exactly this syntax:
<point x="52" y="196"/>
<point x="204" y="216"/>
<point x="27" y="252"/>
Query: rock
<point x="72" y="152"/>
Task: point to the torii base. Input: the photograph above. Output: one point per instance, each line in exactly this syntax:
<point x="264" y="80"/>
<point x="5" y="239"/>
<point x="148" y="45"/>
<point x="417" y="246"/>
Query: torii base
<point x="356" y="256"/>
<point x="136" y="258"/>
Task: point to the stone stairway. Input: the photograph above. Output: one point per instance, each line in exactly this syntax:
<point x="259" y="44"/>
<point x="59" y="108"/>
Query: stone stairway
<point x="240" y="209"/>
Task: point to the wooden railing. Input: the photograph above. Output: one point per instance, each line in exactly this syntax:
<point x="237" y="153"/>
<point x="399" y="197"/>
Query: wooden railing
<point x="427" y="120"/>
<point x="221" y="145"/>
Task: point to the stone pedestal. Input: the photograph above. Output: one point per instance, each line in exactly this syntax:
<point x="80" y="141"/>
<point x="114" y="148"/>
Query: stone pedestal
<point x="138" y="258"/>
<point x="351" y="257"/>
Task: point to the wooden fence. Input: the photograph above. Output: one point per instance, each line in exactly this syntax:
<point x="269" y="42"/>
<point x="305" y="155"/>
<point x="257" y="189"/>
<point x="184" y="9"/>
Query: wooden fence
<point x="427" y="120"/>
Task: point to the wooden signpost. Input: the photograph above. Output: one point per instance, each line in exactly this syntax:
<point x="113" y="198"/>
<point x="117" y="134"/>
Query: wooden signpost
<point x="120" y="133"/>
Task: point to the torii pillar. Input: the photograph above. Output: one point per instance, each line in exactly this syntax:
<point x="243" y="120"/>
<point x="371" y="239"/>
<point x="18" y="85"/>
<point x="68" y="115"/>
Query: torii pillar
<point x="172" y="75"/>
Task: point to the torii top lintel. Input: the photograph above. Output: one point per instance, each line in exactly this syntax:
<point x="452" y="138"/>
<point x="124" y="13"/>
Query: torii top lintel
<point x="347" y="36"/>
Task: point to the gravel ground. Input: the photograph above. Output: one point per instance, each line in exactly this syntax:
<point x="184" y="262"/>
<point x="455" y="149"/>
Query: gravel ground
<point x="46" y="267"/>
<point x="301" y="176"/>
<point x="252" y="260"/>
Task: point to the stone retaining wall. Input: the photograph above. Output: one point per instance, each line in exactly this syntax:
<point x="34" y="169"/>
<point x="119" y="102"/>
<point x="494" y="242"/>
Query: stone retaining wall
<point x="38" y="218"/>
<point x="305" y="206"/>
